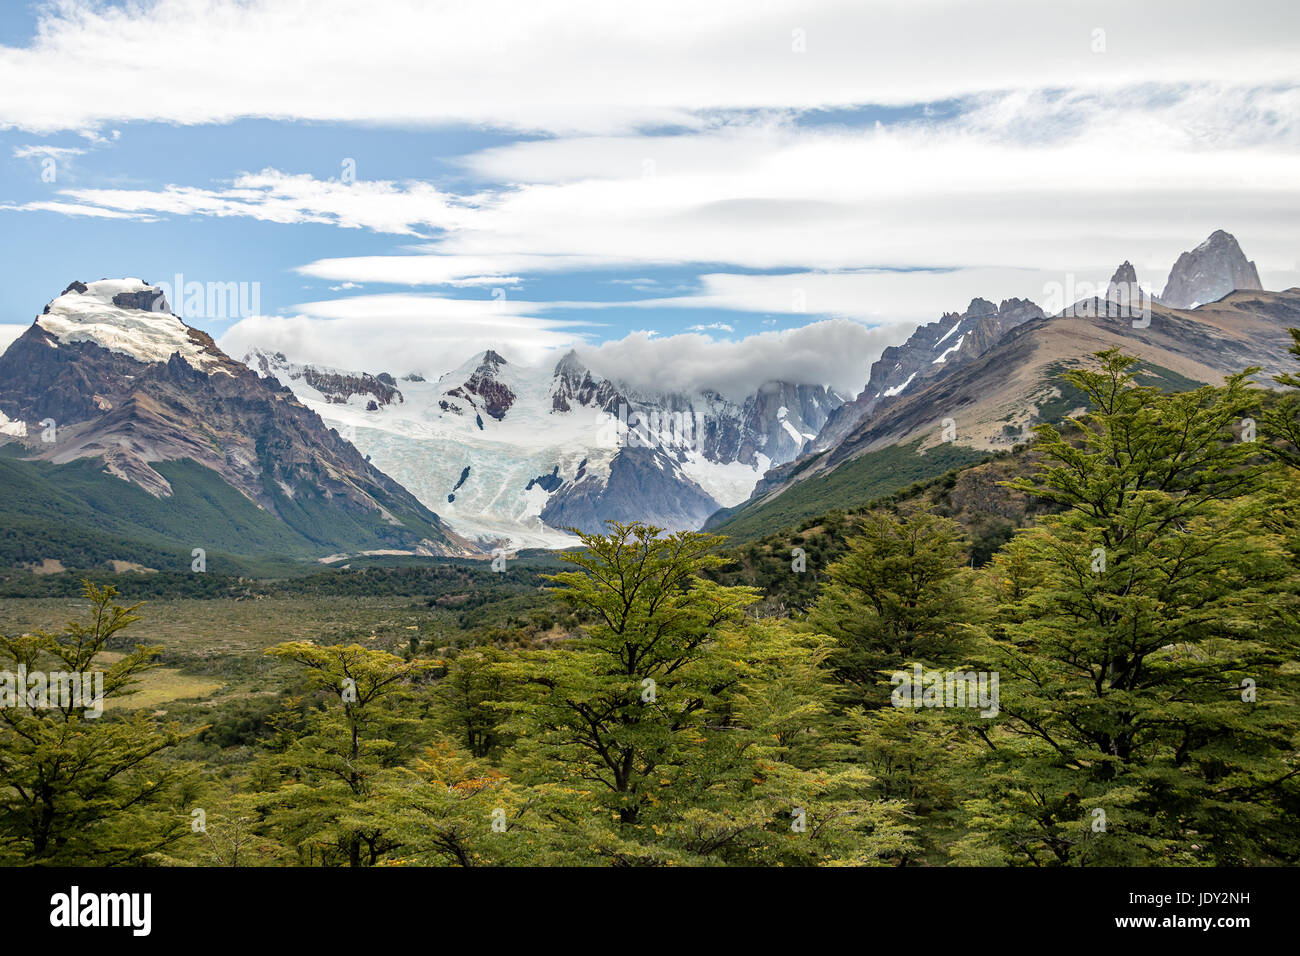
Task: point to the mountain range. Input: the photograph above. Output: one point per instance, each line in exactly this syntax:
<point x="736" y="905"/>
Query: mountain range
<point x="988" y="394"/>
<point x="513" y="455"/>
<point x="132" y="439"/>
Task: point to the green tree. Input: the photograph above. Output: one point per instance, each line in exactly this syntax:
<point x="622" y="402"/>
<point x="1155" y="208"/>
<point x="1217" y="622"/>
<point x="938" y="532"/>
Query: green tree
<point x="1281" y="417"/>
<point x="896" y="597"/>
<point x="677" y="730"/>
<point x="452" y="809"/>
<point x="470" y="700"/>
<point x="919" y="758"/>
<point x="1128" y="732"/>
<point x="81" y="789"/>
<point x="618" y="709"/>
<point x="330" y="803"/>
<point x="792" y="768"/>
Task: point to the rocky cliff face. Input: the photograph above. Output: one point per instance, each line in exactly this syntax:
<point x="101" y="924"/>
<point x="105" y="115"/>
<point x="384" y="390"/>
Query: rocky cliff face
<point x="574" y="386"/>
<point x="778" y="422"/>
<point x="1209" y="272"/>
<point x="676" y="451"/>
<point x="771" y="425"/>
<point x="640" y="484"/>
<point x="482" y="389"/>
<point x="126" y="382"/>
<point x="333" y="385"/>
<point x="932" y="351"/>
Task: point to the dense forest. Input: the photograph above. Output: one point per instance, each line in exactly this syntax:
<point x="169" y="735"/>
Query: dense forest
<point x="1087" y="659"/>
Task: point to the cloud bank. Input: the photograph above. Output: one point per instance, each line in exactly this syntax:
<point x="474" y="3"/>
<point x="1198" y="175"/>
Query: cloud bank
<point x="401" y="334"/>
<point x="836" y="352"/>
<point x="1019" y="181"/>
<point x="611" y="66"/>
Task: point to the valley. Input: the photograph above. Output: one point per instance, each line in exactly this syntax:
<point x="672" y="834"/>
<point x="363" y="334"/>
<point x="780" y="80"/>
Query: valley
<point x="333" y="605"/>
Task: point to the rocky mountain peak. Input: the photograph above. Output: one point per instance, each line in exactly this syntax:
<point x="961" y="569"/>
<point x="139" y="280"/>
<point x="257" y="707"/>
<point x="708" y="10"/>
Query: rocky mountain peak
<point x="933" y="351"/>
<point x="569" y="364"/>
<point x="477" y="384"/>
<point x="132" y="386"/>
<point x="573" y="384"/>
<point x="1209" y="272"/>
<point x="1124" y="275"/>
<point x="127" y="316"/>
<point x="1123" y="286"/>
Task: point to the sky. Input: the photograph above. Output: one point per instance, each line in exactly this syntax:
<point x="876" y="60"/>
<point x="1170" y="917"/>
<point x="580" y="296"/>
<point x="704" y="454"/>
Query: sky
<point x="689" y="193"/>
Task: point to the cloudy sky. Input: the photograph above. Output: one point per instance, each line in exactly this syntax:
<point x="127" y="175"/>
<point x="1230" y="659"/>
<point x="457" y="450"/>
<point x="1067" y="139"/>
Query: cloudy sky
<point x="695" y="191"/>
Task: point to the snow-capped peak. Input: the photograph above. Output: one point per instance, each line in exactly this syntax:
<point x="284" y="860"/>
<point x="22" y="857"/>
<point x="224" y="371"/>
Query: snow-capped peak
<point x="486" y="384"/>
<point x="267" y="363"/>
<point x="484" y="364"/>
<point x="128" y="316"/>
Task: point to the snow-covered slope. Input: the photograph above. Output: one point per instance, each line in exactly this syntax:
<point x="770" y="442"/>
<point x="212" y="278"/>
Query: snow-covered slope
<point x="127" y="316"/>
<point x="332" y="385"/>
<point x="510" y="455"/>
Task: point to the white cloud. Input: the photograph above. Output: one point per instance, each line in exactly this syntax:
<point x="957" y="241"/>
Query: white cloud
<point x="411" y="208"/>
<point x="1022" y="181"/>
<point x="75" y="209"/>
<point x="8" y="333"/>
<point x="54" y="152"/>
<point x="450" y="270"/>
<point x="603" y="66"/>
<point x="879" y="297"/>
<point x="403" y="333"/>
<point x="998" y="216"/>
<point x="835" y="352"/>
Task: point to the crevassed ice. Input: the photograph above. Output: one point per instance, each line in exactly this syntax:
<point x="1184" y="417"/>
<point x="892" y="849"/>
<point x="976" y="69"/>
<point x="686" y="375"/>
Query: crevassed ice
<point x="425" y="449"/>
